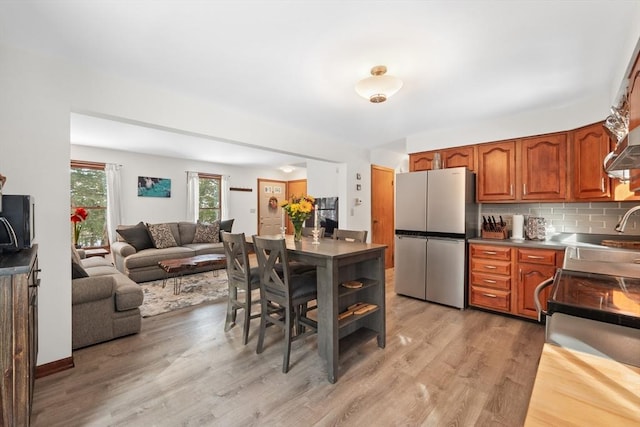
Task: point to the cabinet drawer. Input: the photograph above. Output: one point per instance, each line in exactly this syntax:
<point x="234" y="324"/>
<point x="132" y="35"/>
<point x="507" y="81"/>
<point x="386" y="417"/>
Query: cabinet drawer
<point x="491" y="266"/>
<point x="490" y="298"/>
<point x="537" y="256"/>
<point x="480" y="279"/>
<point x="491" y="252"/>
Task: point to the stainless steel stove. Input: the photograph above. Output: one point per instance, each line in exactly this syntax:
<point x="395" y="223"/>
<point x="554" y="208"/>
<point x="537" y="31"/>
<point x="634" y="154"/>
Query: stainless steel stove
<point x="594" y="305"/>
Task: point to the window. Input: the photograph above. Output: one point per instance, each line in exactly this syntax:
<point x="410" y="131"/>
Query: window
<point x="210" y="203"/>
<point x="89" y="191"/>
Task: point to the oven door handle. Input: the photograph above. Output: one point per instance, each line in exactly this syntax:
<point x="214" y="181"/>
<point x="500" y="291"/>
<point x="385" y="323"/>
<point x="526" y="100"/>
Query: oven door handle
<point x="536" y="297"/>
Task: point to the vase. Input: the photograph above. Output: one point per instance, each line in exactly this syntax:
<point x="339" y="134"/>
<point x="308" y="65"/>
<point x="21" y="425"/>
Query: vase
<point x="297" y="231"/>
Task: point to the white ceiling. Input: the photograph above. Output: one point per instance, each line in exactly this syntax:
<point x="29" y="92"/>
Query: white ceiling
<point x="296" y="62"/>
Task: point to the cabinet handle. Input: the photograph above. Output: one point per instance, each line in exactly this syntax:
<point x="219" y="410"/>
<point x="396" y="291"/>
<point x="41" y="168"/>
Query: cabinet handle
<point x="524" y="189"/>
<point x="490" y="267"/>
<point x="490" y="295"/>
<point x="602" y="184"/>
<point x="511" y="190"/>
<point x="490" y="252"/>
<point x="535" y="257"/>
<point x="489" y="281"/>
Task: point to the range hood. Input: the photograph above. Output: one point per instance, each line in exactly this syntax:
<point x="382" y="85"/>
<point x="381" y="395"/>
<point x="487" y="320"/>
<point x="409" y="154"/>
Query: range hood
<point x="627" y="153"/>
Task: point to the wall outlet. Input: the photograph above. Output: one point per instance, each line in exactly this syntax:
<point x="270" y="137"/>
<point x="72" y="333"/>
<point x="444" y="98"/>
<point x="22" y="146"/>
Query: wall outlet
<point x="358" y="201"/>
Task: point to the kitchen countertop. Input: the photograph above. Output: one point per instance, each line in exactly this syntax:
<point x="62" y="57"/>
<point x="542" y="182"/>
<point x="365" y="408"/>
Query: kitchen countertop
<point x="559" y="241"/>
<point x="578" y="389"/>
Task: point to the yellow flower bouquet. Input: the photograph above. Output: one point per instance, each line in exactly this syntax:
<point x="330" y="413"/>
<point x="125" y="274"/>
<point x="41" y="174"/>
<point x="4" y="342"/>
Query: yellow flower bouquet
<point x="299" y="209"/>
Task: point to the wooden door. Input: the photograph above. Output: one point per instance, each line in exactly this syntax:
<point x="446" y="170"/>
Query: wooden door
<point x="382" y="206"/>
<point x="496" y="179"/>
<point x="421" y="161"/>
<point x="530" y="276"/>
<point x="270" y="214"/>
<point x="590" y="146"/>
<point x="543" y="164"/>
<point x="296" y="187"/>
<point x="459" y="157"/>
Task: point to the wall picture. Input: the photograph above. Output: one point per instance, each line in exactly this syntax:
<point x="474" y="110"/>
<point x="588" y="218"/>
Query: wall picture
<point x="154" y="187"/>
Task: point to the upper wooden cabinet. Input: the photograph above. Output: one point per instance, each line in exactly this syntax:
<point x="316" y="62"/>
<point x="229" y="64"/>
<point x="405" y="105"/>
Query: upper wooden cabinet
<point x="449" y="158"/>
<point x="543" y="164"/>
<point x="496" y="176"/>
<point x="590" y="146"/>
<point x="459" y="156"/>
<point x="421" y="161"/>
<point x="562" y="166"/>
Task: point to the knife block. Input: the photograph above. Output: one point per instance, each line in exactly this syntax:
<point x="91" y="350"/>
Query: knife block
<point x="498" y="235"/>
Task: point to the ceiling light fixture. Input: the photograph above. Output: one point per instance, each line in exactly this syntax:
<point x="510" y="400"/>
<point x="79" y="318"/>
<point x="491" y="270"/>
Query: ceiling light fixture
<point x="379" y="86"/>
<point x="287" y="169"/>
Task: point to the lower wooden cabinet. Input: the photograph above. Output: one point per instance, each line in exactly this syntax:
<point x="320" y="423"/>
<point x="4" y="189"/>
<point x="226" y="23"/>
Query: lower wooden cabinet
<point x="18" y="335"/>
<point x="503" y="278"/>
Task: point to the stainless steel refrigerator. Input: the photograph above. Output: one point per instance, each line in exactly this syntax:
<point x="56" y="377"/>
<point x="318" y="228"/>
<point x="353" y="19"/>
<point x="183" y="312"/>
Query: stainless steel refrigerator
<point x="435" y="215"/>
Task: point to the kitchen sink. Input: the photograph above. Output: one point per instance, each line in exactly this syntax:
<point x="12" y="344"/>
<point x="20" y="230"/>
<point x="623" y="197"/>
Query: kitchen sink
<point x="603" y="260"/>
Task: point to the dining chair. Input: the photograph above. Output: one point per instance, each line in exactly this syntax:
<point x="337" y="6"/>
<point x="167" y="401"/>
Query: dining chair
<point x="289" y="292"/>
<point x="241" y="277"/>
<point x="350" y="235"/>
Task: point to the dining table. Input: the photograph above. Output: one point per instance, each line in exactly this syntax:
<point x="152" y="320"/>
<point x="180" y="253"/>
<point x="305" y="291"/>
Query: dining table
<point x="348" y="273"/>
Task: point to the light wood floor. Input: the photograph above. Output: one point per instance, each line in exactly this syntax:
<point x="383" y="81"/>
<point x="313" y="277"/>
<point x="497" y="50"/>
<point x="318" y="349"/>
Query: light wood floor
<point x="441" y="366"/>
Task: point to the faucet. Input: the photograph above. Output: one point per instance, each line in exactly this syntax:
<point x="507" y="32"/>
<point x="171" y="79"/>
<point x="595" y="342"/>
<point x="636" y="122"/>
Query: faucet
<point x="620" y="227"/>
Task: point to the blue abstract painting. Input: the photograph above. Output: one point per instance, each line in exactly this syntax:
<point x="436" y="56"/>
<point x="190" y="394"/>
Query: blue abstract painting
<point x="154" y="187"/>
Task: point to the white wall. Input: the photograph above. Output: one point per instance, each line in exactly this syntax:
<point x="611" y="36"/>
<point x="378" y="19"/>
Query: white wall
<point x="153" y="210"/>
<point x="38" y="95"/>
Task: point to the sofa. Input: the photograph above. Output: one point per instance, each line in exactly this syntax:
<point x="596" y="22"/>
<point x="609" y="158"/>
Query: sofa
<point x="140" y="247"/>
<point x="105" y="303"/>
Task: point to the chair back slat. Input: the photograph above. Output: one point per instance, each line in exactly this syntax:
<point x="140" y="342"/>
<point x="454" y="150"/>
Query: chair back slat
<point x="235" y="250"/>
<point x="270" y="254"/>
<point x="350" y="235"/>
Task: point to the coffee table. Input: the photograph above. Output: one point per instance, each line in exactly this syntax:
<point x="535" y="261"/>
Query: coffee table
<point x="178" y="266"/>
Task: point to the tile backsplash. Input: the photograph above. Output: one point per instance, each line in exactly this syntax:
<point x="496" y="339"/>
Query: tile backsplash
<point x="585" y="217"/>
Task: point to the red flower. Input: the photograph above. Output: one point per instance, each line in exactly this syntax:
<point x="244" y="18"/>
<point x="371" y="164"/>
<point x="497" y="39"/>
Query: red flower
<point x="79" y="215"/>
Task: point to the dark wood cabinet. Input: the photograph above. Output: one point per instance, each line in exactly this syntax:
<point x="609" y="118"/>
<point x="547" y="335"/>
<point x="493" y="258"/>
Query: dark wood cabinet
<point x="496" y="175"/>
<point x="18" y="334"/>
<point x="543" y="164"/>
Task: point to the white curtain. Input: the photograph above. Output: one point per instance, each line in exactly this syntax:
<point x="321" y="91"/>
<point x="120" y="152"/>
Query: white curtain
<point x="114" y="207"/>
<point x="193" y="196"/>
<point x="224" y="209"/>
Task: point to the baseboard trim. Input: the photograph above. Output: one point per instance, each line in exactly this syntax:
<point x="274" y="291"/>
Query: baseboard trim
<point x="54" y="367"/>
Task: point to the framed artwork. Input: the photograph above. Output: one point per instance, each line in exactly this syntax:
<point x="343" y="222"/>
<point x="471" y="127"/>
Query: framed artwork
<point x="154" y="187"/>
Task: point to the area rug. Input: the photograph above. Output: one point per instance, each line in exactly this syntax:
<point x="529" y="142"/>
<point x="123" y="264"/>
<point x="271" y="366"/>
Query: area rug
<point x="195" y="289"/>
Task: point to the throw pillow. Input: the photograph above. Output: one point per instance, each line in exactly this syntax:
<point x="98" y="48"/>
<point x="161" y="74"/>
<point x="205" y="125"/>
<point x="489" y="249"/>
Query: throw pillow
<point x="225" y="226"/>
<point x="161" y="235"/>
<point x="137" y="236"/>
<point x="207" y="233"/>
<point x="78" y="271"/>
<point x="75" y="256"/>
